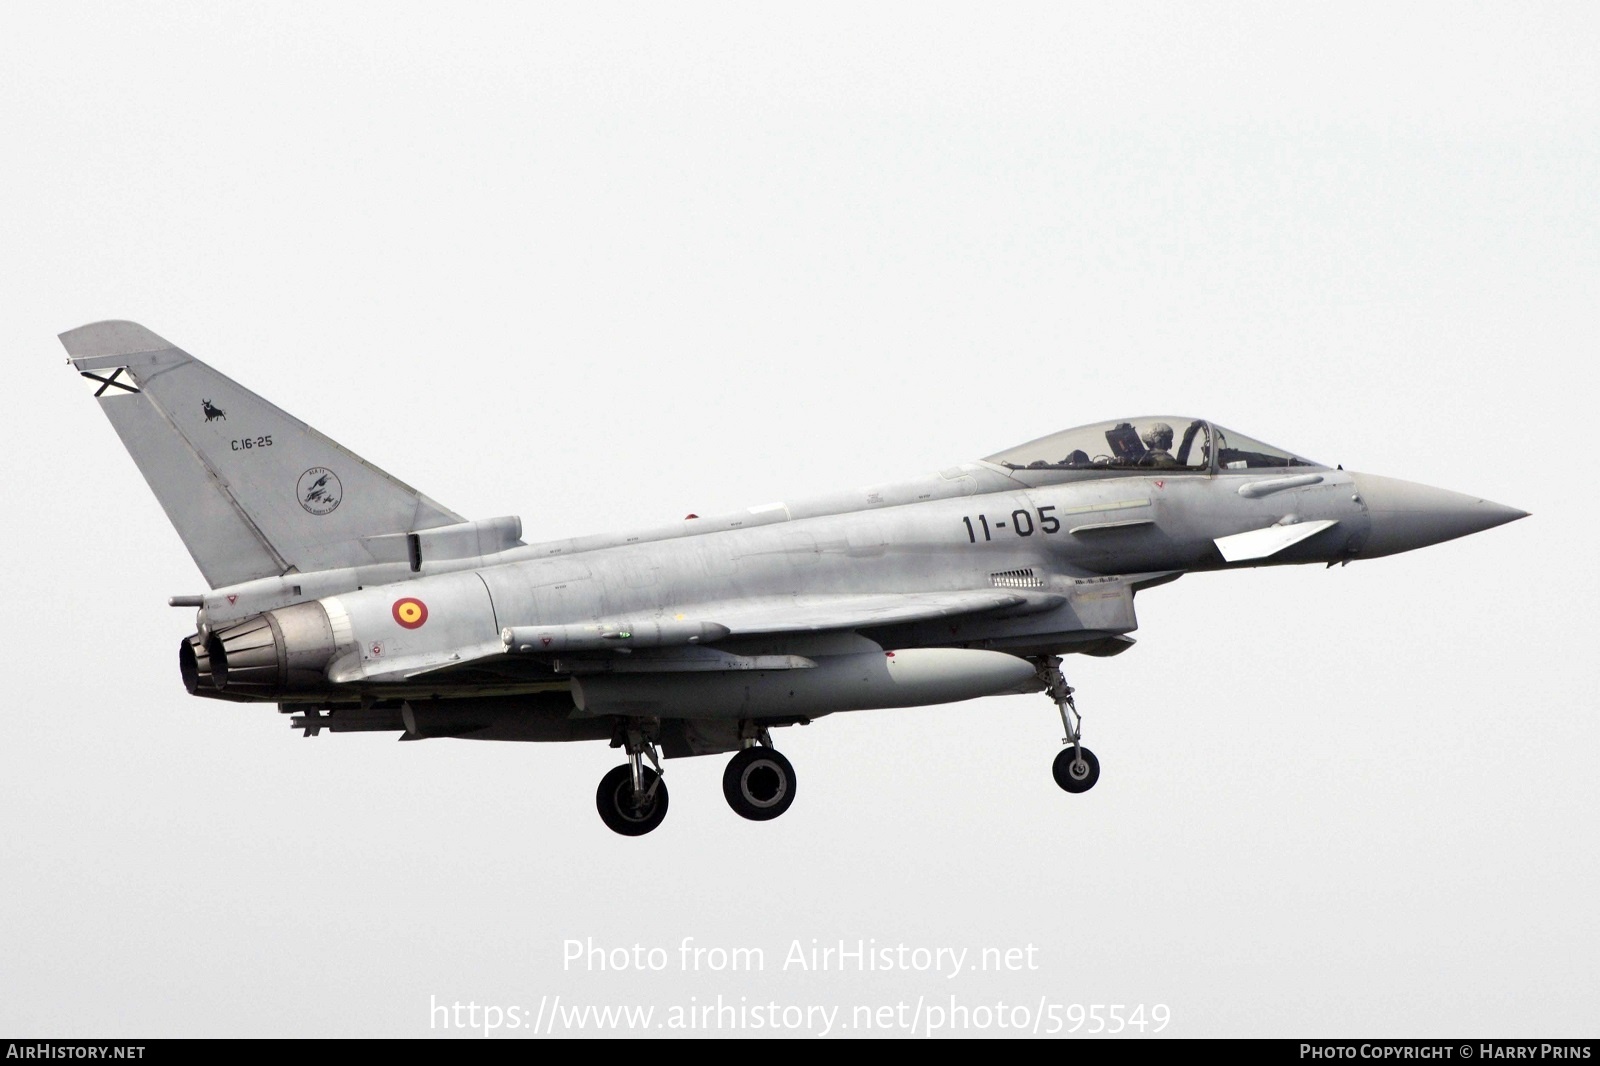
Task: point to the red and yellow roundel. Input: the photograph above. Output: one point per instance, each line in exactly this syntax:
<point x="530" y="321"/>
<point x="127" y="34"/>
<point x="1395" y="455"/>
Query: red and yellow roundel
<point x="410" y="612"/>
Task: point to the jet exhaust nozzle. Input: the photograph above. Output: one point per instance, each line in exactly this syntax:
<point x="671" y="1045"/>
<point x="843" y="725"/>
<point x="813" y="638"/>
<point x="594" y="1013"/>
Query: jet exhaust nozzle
<point x="279" y="652"/>
<point x="194" y="666"/>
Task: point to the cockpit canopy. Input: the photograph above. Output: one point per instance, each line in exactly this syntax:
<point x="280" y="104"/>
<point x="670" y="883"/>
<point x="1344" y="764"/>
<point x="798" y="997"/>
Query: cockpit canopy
<point x="1190" y="445"/>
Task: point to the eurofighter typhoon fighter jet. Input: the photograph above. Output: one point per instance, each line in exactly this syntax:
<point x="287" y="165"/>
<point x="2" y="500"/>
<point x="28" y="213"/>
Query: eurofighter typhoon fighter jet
<point x="356" y="603"/>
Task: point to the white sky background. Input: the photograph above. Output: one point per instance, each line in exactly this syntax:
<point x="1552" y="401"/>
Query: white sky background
<point x="604" y="265"/>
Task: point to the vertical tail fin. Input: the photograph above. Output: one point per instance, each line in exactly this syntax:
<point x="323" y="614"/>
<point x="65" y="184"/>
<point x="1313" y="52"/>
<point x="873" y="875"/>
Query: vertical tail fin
<point x="252" y="491"/>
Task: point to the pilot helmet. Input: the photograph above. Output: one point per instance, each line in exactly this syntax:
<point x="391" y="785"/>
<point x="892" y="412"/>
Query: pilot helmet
<point x="1158" y="436"/>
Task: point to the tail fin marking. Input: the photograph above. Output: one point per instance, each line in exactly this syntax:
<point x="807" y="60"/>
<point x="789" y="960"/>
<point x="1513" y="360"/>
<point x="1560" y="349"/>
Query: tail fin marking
<point x="252" y="490"/>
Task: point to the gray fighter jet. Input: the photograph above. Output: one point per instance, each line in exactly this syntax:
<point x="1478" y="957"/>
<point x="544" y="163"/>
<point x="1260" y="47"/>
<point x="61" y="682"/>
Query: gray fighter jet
<point x="356" y="603"/>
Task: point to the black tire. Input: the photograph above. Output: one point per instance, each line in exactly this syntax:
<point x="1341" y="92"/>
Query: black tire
<point x="1079" y="778"/>
<point x="758" y="784"/>
<point x="614" y="799"/>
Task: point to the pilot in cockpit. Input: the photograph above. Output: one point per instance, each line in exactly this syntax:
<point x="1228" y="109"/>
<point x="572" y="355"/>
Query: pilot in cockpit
<point x="1158" y="446"/>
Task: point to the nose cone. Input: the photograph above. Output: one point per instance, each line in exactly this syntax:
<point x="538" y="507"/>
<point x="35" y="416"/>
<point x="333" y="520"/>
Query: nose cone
<point x="1406" y="515"/>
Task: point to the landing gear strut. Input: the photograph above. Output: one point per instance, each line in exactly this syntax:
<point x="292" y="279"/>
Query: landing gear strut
<point x="632" y="798"/>
<point x="759" y="782"/>
<point x="1075" y="769"/>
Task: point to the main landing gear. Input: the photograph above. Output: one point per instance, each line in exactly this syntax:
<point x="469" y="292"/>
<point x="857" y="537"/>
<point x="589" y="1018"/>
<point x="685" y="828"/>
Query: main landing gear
<point x="632" y="798"/>
<point x="1075" y="769"/>
<point x="759" y="782"/>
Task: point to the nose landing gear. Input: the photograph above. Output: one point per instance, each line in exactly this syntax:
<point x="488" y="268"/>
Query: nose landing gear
<point x="1075" y="769"/>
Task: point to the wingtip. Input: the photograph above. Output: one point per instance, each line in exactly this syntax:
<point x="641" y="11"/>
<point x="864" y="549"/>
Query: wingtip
<point x="111" y="338"/>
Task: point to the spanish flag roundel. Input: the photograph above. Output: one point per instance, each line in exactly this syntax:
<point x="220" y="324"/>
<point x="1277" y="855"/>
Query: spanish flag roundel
<point x="410" y="612"/>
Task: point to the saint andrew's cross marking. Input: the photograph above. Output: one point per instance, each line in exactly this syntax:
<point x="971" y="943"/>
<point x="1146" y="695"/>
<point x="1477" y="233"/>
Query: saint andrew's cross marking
<point x="106" y="383"/>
